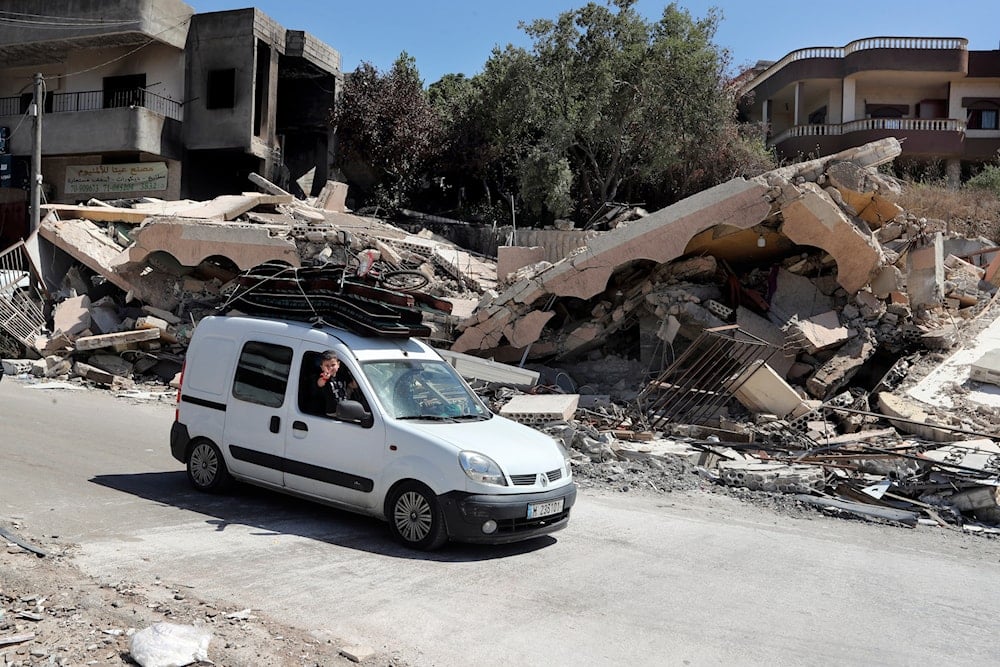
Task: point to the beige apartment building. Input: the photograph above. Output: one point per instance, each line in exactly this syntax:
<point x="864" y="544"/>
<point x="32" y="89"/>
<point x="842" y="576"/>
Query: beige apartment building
<point x="941" y="100"/>
<point x="148" y="98"/>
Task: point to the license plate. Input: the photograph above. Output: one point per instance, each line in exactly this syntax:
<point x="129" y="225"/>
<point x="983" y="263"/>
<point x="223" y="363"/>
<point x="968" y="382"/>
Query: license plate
<point x="538" y="510"/>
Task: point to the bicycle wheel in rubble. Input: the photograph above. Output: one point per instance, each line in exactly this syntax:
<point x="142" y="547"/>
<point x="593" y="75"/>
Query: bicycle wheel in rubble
<point x="405" y="281"/>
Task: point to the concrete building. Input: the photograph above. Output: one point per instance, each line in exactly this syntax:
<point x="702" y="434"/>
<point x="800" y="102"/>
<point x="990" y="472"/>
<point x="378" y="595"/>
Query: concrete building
<point x="148" y="98"/>
<point x="939" y="98"/>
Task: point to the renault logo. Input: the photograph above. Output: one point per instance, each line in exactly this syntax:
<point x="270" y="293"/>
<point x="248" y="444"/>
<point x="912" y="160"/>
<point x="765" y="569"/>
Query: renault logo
<point x="543" y="479"/>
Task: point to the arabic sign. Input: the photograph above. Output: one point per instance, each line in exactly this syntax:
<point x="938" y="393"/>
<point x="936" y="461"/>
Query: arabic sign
<point x="132" y="177"/>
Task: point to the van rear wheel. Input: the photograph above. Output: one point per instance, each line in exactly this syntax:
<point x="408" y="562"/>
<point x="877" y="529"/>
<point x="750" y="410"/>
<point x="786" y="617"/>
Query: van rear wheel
<point x="415" y="517"/>
<point x="206" y="469"/>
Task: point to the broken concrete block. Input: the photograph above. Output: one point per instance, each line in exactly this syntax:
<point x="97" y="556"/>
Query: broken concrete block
<point x="918" y="422"/>
<point x="780" y="477"/>
<point x="72" y="316"/>
<point x="110" y="340"/>
<point x="112" y="364"/>
<point x="814" y="219"/>
<point x="821" y="332"/>
<point x="92" y="373"/>
<point x="986" y="368"/>
<point x="796" y="296"/>
<point x="541" y="408"/>
<point x="839" y="369"/>
<point x="104" y="315"/>
<point x="333" y="197"/>
<point x="760" y="389"/>
<point x="57" y="366"/>
<point x="925" y="273"/>
<point x="164" y="315"/>
<point x="889" y="279"/>
<point x="16" y="366"/>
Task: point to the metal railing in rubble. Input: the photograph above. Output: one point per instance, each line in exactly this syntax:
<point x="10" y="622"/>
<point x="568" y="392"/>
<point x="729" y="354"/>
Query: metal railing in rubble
<point x="91" y="100"/>
<point x="21" y="301"/>
<point x="705" y="377"/>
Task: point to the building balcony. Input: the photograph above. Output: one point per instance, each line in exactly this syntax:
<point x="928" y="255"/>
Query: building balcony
<point x="134" y="120"/>
<point x="919" y="136"/>
<point x="913" y="54"/>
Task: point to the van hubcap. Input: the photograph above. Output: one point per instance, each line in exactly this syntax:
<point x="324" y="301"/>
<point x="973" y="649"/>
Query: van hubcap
<point x="204" y="465"/>
<point x="413" y="516"/>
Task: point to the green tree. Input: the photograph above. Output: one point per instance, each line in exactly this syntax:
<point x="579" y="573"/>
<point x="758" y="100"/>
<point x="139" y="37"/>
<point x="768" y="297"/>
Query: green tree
<point x="635" y="109"/>
<point x="387" y="131"/>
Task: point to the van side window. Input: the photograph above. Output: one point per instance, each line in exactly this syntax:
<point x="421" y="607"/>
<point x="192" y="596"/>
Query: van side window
<point x="262" y="374"/>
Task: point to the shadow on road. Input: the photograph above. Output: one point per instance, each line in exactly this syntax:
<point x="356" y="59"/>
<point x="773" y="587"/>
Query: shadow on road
<point x="278" y="514"/>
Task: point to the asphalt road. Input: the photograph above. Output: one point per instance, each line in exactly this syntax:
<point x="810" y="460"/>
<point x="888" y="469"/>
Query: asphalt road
<point x="634" y="580"/>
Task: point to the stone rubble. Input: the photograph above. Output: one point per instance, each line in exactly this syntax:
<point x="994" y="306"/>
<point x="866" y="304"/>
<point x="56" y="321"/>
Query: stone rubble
<point x="853" y="297"/>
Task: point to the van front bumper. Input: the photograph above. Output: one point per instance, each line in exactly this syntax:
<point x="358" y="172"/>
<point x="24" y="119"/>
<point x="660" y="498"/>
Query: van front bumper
<point x="466" y="513"/>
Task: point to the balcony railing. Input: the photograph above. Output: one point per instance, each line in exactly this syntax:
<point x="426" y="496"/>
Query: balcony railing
<point x="943" y="43"/>
<point x="901" y="124"/>
<point x="96" y="99"/>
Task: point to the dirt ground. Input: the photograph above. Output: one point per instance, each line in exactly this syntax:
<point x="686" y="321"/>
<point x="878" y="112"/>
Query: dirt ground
<point x="66" y="618"/>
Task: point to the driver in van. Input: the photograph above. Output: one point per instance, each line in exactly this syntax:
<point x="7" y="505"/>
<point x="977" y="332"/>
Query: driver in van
<point x="326" y="386"/>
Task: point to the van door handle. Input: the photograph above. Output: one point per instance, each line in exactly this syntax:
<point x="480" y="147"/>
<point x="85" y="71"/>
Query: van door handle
<point x="275" y="424"/>
<point x="299" y="426"/>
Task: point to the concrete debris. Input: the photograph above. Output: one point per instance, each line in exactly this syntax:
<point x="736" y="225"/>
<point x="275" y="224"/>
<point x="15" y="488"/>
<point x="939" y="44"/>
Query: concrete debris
<point x="867" y="336"/>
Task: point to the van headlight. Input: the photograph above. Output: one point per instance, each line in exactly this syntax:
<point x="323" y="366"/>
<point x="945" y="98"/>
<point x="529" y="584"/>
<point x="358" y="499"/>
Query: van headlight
<point x="481" y="468"/>
<point x="567" y="459"/>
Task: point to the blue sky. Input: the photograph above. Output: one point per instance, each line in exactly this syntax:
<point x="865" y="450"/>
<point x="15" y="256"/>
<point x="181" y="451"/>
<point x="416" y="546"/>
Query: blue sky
<point x="447" y="36"/>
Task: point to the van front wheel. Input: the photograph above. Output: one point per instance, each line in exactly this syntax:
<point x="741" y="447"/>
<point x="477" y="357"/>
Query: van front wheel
<point x="206" y="468"/>
<point x="415" y="517"/>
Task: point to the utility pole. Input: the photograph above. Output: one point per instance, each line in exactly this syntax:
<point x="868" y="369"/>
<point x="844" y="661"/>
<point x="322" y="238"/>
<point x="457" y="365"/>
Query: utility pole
<point x="36" y="156"/>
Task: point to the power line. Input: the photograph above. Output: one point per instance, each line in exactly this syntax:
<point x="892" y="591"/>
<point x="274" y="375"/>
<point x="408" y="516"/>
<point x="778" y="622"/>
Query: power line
<point x="126" y="55"/>
<point x="76" y="19"/>
<point x="62" y="25"/>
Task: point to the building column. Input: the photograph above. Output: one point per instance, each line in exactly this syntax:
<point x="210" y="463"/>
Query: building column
<point x="847" y="115"/>
<point x="796" y="113"/>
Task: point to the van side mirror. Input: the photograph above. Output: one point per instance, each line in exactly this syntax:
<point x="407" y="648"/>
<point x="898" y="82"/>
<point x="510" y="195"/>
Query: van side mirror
<point x="354" y="412"/>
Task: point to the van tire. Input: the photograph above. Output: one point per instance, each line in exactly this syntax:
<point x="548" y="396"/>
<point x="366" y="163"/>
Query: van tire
<point x="206" y="469"/>
<point x="415" y="517"/>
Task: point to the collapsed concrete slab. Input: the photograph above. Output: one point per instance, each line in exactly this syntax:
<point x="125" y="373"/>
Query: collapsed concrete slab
<point x="812" y="218"/>
<point x="190" y="242"/>
<point x="658" y="237"/>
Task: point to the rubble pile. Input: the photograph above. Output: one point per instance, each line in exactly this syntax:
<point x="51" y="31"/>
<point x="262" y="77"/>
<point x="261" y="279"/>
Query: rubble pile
<point x="801" y="318"/>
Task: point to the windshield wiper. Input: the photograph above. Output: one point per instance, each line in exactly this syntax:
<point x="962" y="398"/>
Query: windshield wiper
<point x="471" y="417"/>
<point x="434" y="418"/>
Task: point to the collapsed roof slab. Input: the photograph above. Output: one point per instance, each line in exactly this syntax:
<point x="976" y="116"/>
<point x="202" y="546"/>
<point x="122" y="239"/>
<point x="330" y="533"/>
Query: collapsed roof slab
<point x="190" y="242"/>
<point x="813" y="218"/>
<point x="88" y="244"/>
<point x="659" y="237"/>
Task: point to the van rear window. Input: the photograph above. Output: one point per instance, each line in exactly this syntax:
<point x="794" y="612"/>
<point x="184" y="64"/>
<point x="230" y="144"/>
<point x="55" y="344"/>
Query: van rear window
<point x="262" y="374"/>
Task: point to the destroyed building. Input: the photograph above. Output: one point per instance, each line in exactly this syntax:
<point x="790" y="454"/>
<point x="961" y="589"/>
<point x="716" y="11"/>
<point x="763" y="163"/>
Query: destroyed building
<point x="763" y="332"/>
<point x="152" y="99"/>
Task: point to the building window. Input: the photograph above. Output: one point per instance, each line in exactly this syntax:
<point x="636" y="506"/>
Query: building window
<point x="983" y="119"/>
<point x="221" y="89"/>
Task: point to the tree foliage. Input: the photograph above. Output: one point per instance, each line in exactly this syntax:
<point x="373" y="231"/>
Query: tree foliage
<point x="604" y="106"/>
<point x="387" y="131"/>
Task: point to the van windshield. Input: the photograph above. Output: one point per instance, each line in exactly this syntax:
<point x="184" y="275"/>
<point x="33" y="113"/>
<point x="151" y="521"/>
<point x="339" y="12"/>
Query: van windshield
<point x="416" y="389"/>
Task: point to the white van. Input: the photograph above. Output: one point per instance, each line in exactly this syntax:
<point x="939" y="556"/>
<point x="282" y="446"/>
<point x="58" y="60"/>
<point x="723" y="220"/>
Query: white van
<point x="416" y="448"/>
